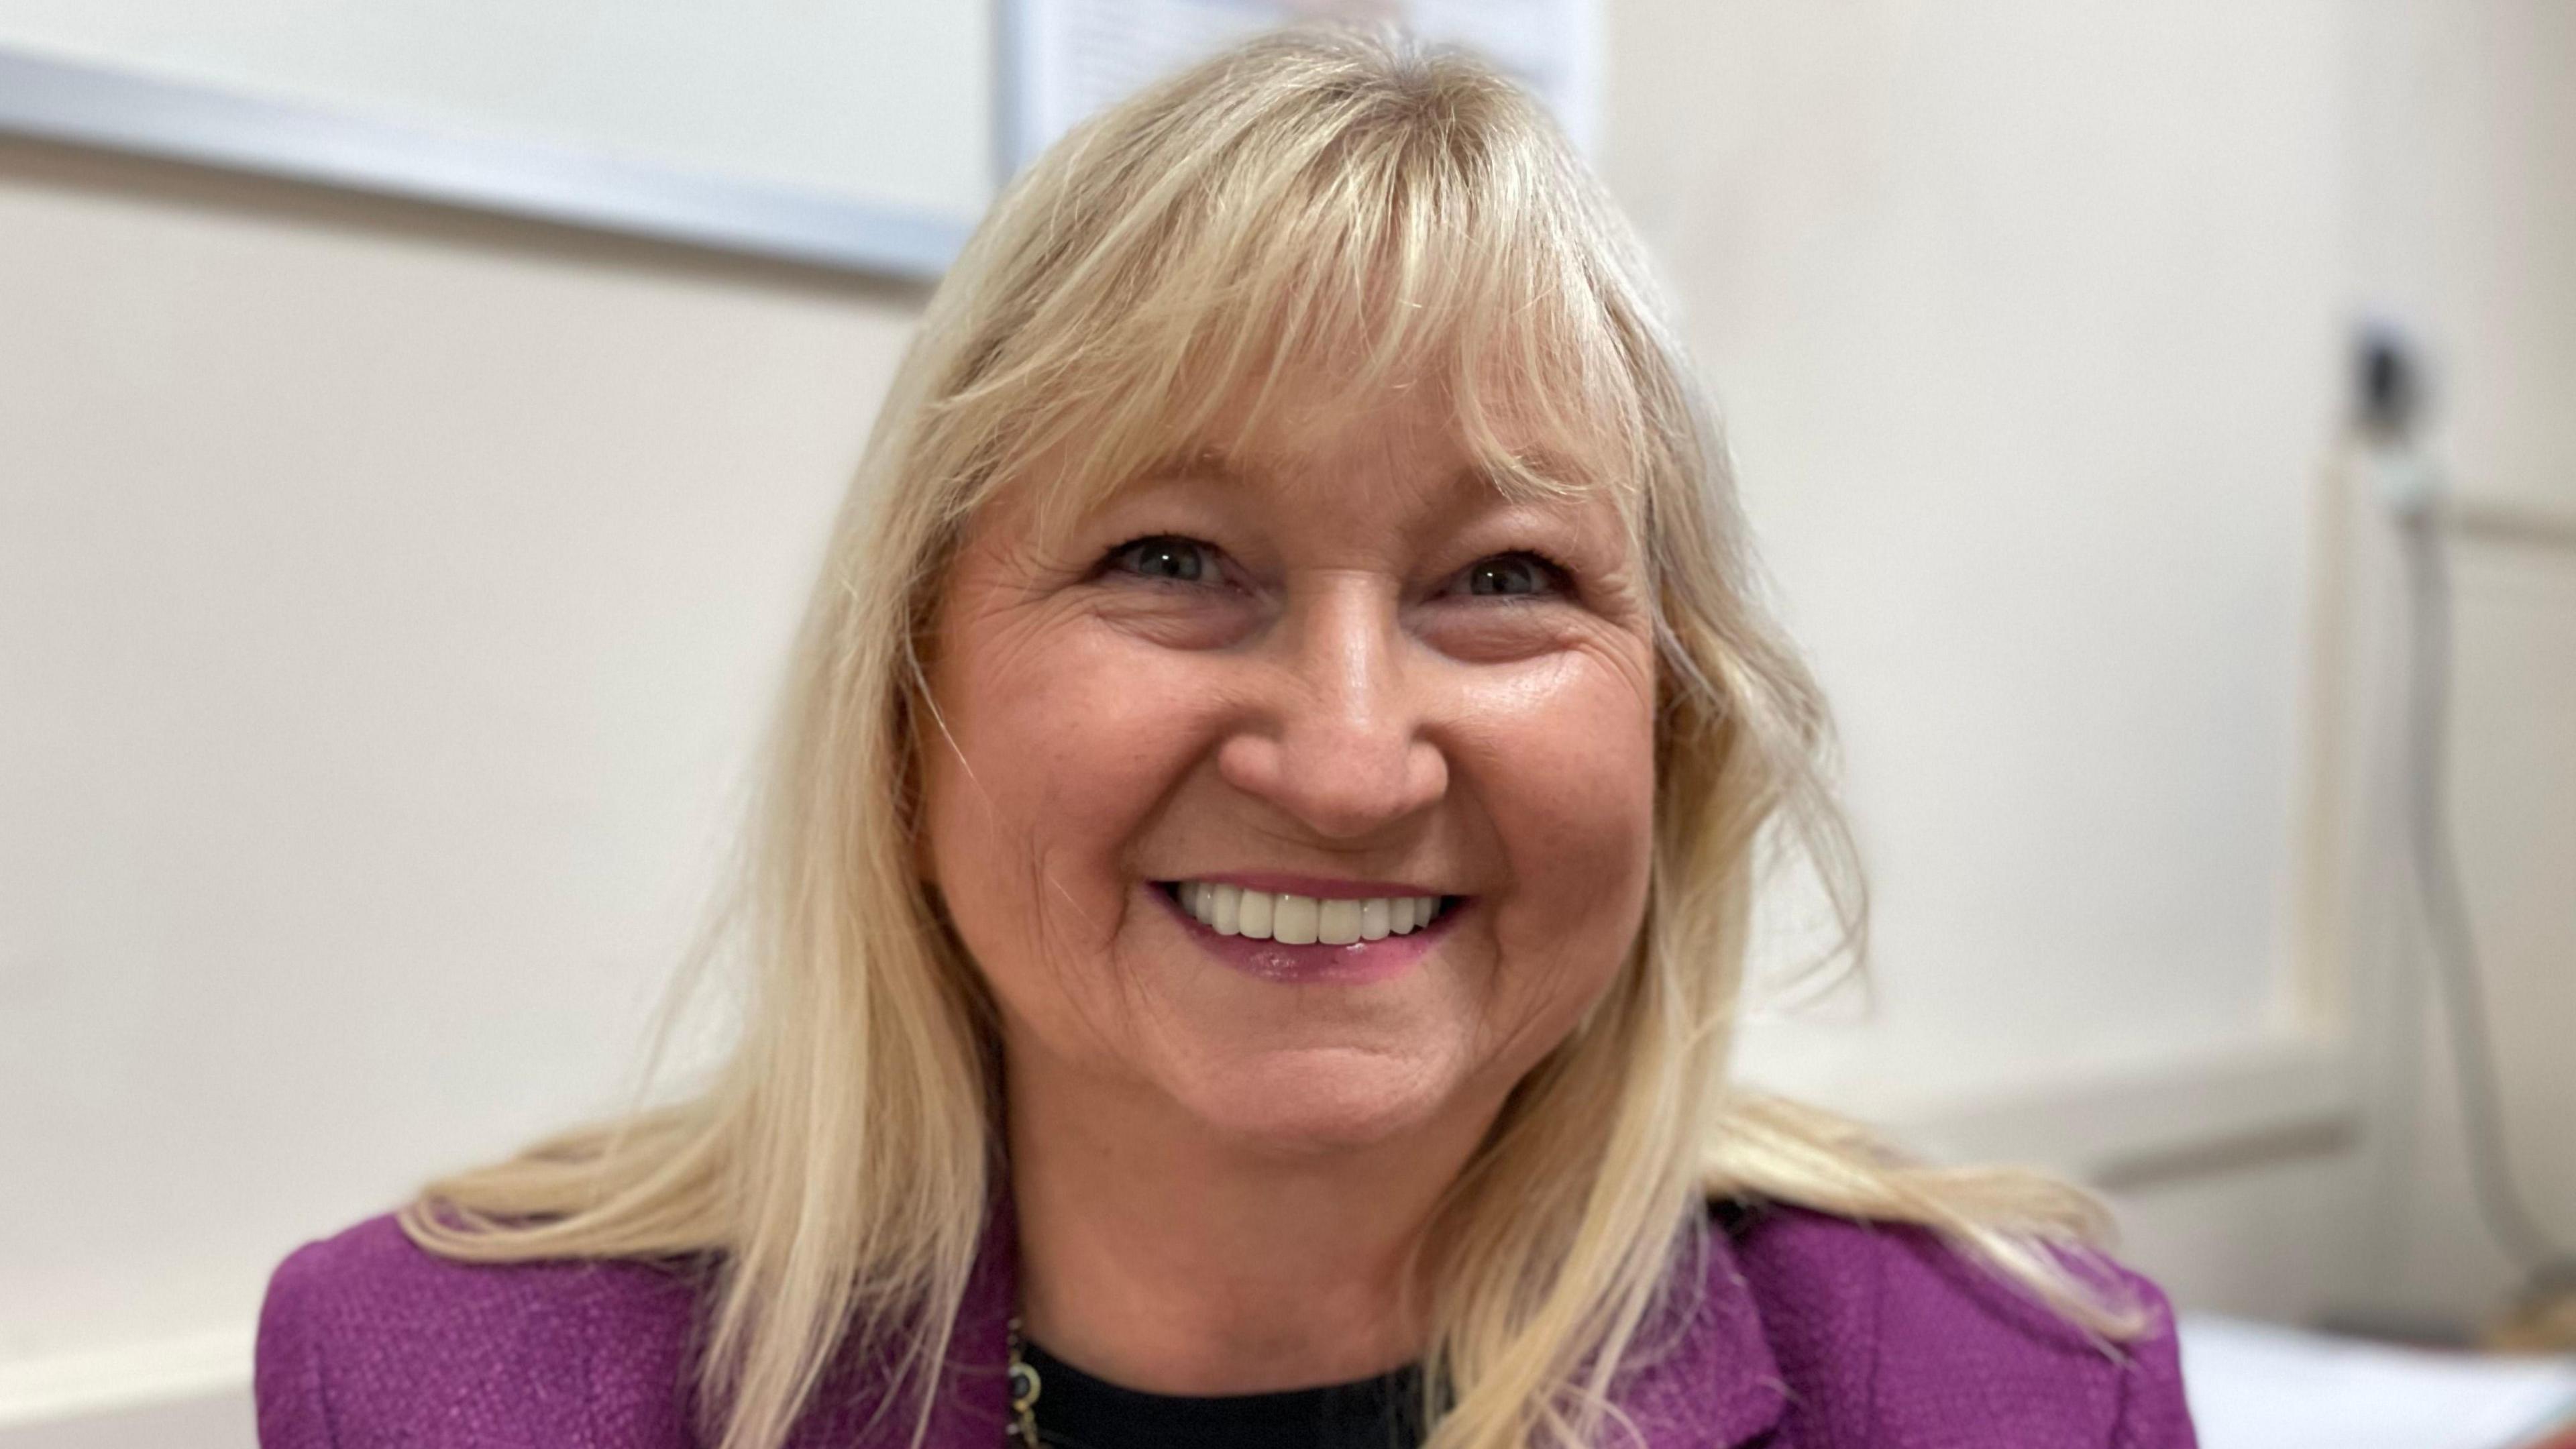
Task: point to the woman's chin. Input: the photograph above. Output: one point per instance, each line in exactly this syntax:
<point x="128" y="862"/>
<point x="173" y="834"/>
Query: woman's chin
<point x="1321" y="1099"/>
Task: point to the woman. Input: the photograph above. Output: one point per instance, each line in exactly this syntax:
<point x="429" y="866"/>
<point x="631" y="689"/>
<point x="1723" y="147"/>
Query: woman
<point x="1246" y="911"/>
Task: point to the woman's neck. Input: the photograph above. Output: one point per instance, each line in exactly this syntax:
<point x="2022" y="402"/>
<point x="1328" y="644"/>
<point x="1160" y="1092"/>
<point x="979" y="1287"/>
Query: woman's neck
<point x="1159" y="1258"/>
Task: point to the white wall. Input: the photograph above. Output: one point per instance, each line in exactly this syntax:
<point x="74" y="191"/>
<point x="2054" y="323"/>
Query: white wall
<point x="396" y="593"/>
<point x="386" y="603"/>
<point x="2027" y="325"/>
<point x="2030" y="322"/>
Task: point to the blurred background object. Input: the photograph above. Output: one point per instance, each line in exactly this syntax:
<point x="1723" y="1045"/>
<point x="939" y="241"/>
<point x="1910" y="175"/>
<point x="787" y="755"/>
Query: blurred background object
<point x="417" y="421"/>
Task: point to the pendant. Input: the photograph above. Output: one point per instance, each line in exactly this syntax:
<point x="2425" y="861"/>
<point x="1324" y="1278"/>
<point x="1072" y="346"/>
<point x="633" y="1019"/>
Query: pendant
<point x="1024" y="1396"/>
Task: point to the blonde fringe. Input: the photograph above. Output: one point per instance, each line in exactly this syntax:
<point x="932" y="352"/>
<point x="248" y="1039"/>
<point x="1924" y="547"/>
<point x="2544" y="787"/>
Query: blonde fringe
<point x="1401" y="215"/>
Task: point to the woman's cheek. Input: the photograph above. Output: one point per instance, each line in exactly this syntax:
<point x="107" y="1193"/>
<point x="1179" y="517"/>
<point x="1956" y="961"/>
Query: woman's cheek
<point x="1106" y="728"/>
<point x="1571" y="779"/>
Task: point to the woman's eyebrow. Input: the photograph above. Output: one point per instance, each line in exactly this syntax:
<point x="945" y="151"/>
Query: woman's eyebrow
<point x="1557" y="470"/>
<point x="1470" y="486"/>
<point x="1203" y="462"/>
<point x="1205" y="465"/>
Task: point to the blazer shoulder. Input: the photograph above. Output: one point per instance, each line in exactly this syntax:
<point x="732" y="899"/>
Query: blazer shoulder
<point x="1888" y="1335"/>
<point x="366" y="1339"/>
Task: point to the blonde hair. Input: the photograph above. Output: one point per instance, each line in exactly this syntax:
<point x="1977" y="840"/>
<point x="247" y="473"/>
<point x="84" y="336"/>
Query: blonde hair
<point x="1413" y="216"/>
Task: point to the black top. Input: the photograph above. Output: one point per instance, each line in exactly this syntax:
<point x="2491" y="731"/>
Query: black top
<point x="1077" y="1411"/>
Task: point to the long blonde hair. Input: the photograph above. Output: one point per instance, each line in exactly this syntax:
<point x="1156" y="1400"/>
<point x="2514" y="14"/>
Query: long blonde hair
<point x="1414" y="216"/>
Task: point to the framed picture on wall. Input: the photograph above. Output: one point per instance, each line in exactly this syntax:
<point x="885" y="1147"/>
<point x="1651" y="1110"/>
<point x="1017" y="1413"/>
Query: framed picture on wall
<point x="866" y="135"/>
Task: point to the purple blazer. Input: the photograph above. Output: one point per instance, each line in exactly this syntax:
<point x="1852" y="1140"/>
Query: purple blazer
<point x="1813" y="1333"/>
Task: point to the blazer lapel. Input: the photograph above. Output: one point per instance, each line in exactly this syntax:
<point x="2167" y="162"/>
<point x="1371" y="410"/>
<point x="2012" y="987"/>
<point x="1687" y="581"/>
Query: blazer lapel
<point x="1706" y="1378"/>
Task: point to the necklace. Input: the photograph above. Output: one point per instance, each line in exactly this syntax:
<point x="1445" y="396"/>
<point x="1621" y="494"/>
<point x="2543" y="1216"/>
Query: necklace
<point x="1024" y="1395"/>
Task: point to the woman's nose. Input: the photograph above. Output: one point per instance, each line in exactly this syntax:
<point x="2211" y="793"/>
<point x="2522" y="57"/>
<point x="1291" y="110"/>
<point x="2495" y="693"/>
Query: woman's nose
<point x="1338" y="737"/>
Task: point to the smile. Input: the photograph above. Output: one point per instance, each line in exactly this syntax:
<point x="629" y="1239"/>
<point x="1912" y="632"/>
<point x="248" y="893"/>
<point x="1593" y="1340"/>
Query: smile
<point x="1297" y="938"/>
<point x="1302" y="920"/>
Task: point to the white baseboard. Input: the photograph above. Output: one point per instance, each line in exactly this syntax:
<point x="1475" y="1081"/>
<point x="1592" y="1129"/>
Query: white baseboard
<point x="223" y="1419"/>
<point x="2136" y="1125"/>
<point x="192" y="1391"/>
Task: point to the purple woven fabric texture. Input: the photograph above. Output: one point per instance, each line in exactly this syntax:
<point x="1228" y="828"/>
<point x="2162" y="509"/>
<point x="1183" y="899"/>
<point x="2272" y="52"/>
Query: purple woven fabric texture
<point x="1807" y="1332"/>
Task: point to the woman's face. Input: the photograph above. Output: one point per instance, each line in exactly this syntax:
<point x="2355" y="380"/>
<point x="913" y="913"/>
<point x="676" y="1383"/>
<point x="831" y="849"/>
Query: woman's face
<point x="1300" y="690"/>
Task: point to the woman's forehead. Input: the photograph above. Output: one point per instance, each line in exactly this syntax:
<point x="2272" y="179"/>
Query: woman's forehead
<point x="1440" y="429"/>
<point x="1387" y="465"/>
<point x="1420" y="429"/>
<point x="1299" y="431"/>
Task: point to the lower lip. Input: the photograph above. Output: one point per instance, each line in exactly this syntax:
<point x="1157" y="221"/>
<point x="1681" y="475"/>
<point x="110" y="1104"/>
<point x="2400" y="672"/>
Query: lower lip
<point x="1356" y="964"/>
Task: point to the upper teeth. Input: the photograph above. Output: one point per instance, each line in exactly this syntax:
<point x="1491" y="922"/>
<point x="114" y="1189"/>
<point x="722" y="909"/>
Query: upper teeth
<point x="1303" y="920"/>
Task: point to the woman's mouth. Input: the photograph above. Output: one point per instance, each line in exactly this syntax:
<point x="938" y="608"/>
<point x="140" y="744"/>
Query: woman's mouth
<point x="1288" y="935"/>
<point x="1302" y="920"/>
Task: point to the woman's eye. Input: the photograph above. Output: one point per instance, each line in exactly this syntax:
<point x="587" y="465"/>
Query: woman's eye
<point x="1512" y="575"/>
<point x="1166" y="556"/>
